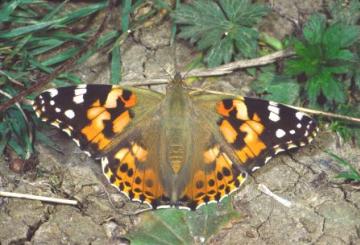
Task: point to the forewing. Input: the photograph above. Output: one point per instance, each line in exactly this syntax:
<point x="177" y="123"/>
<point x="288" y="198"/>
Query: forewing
<point x="256" y="130"/>
<point x="93" y="115"/>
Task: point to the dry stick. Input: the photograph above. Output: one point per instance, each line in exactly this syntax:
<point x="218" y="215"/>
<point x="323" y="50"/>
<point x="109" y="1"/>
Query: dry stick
<point x="39" y="198"/>
<point x="45" y="80"/>
<point x="306" y="110"/>
<point x="230" y="67"/>
<point x="220" y="70"/>
<point x="327" y="114"/>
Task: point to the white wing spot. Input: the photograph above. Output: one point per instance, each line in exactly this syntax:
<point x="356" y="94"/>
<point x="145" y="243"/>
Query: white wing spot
<point x="52" y="102"/>
<point x="256" y="168"/>
<point x="274" y="117"/>
<point x="80" y="91"/>
<point x="87" y="153"/>
<point x="280" y="133"/>
<point x="57" y="109"/>
<point x="274" y="109"/>
<point x="77" y="142"/>
<point x="298" y="125"/>
<point x="292" y="131"/>
<point x="42" y="101"/>
<point x="70" y="114"/>
<point x="56" y="124"/>
<point x="67" y="131"/>
<point x="267" y="159"/>
<point x="299" y="115"/>
<point x="53" y="92"/>
<point x="273" y="103"/>
<point x="78" y="99"/>
<point x="278" y="150"/>
<point x="82" y="86"/>
<point x="291" y="146"/>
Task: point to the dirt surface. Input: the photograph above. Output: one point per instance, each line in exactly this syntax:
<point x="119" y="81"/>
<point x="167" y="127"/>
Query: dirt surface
<point x="323" y="210"/>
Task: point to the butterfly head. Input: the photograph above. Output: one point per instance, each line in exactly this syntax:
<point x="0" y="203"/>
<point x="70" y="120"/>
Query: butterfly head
<point x="177" y="81"/>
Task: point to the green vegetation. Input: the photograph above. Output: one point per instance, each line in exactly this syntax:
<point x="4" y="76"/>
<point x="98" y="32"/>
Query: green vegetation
<point x="36" y="37"/>
<point x="224" y="29"/>
<point x="349" y="173"/>
<point x="171" y="226"/>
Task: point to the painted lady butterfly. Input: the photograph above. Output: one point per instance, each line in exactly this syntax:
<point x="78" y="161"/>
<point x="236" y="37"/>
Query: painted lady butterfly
<point x="183" y="149"/>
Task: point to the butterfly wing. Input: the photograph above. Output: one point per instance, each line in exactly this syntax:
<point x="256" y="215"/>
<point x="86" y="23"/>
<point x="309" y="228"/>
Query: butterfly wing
<point x="211" y="171"/>
<point x="146" y="167"/>
<point x="256" y="130"/>
<point x="93" y="115"/>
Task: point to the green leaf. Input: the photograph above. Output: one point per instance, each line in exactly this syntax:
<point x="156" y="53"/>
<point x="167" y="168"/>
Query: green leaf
<point x="313" y="89"/>
<point x="125" y="12"/>
<point x="350" y="173"/>
<point x="333" y="89"/>
<point x="219" y="27"/>
<point x="314" y="28"/>
<point x="276" y="88"/>
<point x="220" y="53"/>
<point x="243" y="12"/>
<point x="65" y="55"/>
<point x="8" y="8"/>
<point x="4" y="136"/>
<point x="115" y="71"/>
<point x="172" y="226"/>
<point x="56" y="23"/>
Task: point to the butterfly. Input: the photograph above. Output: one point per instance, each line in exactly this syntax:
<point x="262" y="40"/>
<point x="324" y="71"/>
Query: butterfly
<point x="181" y="149"/>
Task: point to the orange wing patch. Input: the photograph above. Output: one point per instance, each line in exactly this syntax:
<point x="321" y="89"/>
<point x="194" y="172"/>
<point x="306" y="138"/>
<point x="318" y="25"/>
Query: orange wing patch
<point x="218" y="180"/>
<point x="127" y="170"/>
<point x="241" y="130"/>
<point x="108" y="118"/>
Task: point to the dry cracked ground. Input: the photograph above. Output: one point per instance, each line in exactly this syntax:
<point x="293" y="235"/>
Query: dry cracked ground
<point x="323" y="211"/>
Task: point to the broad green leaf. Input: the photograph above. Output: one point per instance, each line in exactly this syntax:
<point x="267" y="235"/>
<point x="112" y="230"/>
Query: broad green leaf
<point x="244" y="40"/>
<point x="342" y="55"/>
<point x="313" y="88"/>
<point x="211" y="24"/>
<point x="220" y="53"/>
<point x="332" y="89"/>
<point x="314" y="28"/>
<point x="277" y="88"/>
<point x="172" y="226"/>
<point x="244" y="12"/>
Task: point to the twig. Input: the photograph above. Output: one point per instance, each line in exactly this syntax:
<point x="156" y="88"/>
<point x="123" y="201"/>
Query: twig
<point x="147" y="82"/>
<point x="327" y="114"/>
<point x="231" y="67"/>
<point x="39" y="198"/>
<point x="281" y="200"/>
<point x="45" y="80"/>
<point x="306" y="110"/>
